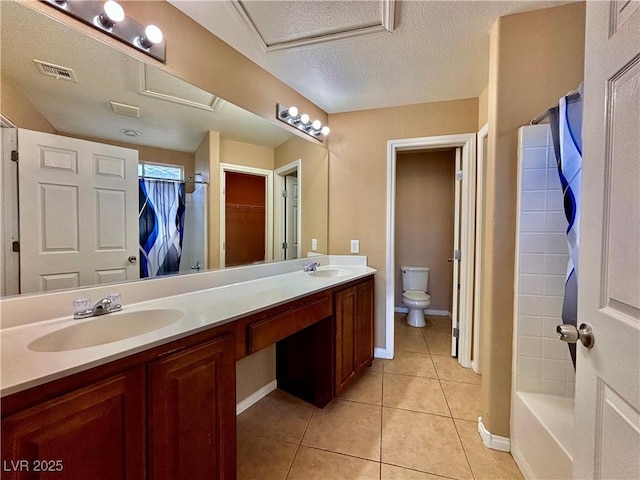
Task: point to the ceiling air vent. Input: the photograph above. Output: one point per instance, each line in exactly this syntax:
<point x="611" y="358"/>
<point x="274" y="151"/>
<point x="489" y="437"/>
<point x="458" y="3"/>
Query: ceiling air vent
<point x="124" y="109"/>
<point x="56" y="71"/>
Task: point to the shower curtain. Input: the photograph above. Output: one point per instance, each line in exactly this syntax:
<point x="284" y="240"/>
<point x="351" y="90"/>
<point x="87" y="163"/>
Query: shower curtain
<point x="566" y="129"/>
<point x="161" y="221"/>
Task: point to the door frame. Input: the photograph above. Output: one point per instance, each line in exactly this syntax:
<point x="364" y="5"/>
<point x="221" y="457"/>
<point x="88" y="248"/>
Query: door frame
<point x="476" y="360"/>
<point x="268" y="178"/>
<point x="9" y="216"/>
<point x="467" y="142"/>
<point x="280" y="173"/>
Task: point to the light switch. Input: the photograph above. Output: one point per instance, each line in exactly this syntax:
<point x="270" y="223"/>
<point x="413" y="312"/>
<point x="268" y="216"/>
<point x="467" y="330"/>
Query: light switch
<point x="314" y="244"/>
<point x="355" y="246"/>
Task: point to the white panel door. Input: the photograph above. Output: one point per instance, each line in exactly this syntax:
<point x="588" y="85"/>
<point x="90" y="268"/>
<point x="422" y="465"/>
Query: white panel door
<point x="607" y="436"/>
<point x="455" y="259"/>
<point x="78" y="212"/>
<point x="291" y="217"/>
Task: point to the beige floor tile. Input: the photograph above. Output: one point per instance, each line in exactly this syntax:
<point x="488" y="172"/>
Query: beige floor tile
<point x="401" y="327"/>
<point x="312" y="464"/>
<point x="366" y="389"/>
<point x="410" y="343"/>
<point x="464" y="399"/>
<point x="414" y="393"/>
<point x="440" y="323"/>
<point x="391" y="472"/>
<point x="264" y="458"/>
<point x="438" y="342"/>
<point x="419" y="441"/>
<point x="486" y="464"/>
<point x="378" y="364"/>
<point x="279" y="416"/>
<point x="411" y="363"/>
<point x="346" y="427"/>
<point x="448" y="368"/>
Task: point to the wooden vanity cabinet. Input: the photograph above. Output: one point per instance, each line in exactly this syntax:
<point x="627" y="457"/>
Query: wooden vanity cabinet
<point x="95" y="432"/>
<point x="353" y="332"/>
<point x="192" y="413"/>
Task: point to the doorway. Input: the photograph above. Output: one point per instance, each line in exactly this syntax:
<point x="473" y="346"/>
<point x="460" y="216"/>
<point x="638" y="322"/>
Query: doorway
<point x="288" y="214"/>
<point x="245" y="215"/>
<point x="466" y="143"/>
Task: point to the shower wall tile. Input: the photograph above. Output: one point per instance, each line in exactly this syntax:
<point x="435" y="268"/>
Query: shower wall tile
<point x="533" y="222"/>
<point x="530" y="325"/>
<point x="531" y="284"/>
<point x="552" y="306"/>
<point x="534" y="200"/>
<point x="553" y="285"/>
<point x="556" y="264"/>
<point x="543" y="363"/>
<point x="531" y="263"/>
<point x="530" y="304"/>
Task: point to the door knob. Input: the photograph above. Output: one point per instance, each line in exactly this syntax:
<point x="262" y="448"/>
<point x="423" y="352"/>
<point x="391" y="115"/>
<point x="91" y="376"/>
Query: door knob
<point x="132" y="259"/>
<point x="570" y="334"/>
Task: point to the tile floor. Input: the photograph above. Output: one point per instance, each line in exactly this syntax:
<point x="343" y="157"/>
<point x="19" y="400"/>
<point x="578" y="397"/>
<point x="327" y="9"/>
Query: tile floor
<point x="413" y="417"/>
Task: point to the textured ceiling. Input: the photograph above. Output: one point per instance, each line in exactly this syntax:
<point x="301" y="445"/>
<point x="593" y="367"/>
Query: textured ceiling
<point x="439" y="50"/>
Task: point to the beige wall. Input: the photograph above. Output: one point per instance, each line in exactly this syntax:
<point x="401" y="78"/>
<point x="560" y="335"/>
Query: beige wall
<point x="358" y="175"/>
<point x="315" y="180"/>
<point x="535" y="58"/>
<point x="255" y="371"/>
<point x="17" y="108"/>
<point x="483" y="107"/>
<point x="424" y="220"/>
<point x="247" y="154"/>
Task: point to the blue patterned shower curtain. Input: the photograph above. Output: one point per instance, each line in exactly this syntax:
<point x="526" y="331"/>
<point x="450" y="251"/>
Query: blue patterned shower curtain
<point x="566" y="129"/>
<point x="161" y="220"/>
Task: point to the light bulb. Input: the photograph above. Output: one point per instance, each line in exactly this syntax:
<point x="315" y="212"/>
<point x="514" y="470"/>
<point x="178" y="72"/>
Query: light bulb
<point x="304" y="119"/>
<point x="325" y="130"/>
<point x="152" y="35"/>
<point x="317" y="125"/>
<point x="292" y="111"/>
<point x="112" y="12"/>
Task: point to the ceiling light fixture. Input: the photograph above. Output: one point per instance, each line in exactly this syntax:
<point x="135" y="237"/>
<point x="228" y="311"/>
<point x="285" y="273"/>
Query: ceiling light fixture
<point x="109" y="17"/>
<point x="302" y="122"/>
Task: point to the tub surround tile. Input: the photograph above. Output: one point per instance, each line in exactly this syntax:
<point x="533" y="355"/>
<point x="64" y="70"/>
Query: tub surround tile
<point x="313" y="464"/>
<point x="278" y="416"/>
<point x="554" y="349"/>
<point x="264" y="458"/>
<point x="555" y="370"/>
<point x="448" y="368"/>
<point x="346" y="427"/>
<point x="530" y="284"/>
<point x="414" y="393"/>
<point x="556" y="222"/>
<point x="411" y="363"/>
<point x="528" y="384"/>
<point x="531" y="263"/>
<point x="423" y="442"/>
<point x="529" y="346"/>
<point x="486" y="464"/>
<point x="555" y="243"/>
<point x="556" y="264"/>
<point x="529" y="367"/>
<point x="367" y="389"/>
<point x="535" y="179"/>
<point x="534" y="200"/>
<point x="464" y="399"/>
<point x="532" y="243"/>
<point x="529" y="325"/>
<point x="530" y="304"/>
<point x="532" y="221"/>
<point x="554" y="285"/>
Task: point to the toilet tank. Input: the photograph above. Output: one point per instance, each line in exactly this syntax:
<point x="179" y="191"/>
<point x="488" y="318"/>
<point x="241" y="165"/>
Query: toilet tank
<point x="415" y="278"/>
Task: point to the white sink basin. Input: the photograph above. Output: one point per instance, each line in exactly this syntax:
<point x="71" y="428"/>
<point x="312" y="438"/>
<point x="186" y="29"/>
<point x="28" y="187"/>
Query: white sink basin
<point x="331" y="272"/>
<point x="106" y="329"/>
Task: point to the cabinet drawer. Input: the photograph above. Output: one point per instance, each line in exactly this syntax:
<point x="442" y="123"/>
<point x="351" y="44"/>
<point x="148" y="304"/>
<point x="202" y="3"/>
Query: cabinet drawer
<point x="266" y="332"/>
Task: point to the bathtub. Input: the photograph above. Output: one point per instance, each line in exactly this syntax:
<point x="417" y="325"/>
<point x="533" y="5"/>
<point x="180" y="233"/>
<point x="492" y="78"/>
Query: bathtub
<point x="542" y="428"/>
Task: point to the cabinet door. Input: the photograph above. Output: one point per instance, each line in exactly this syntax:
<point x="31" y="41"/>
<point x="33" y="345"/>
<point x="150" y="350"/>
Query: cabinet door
<point x="95" y="432"/>
<point x="346" y="311"/>
<point x="364" y="325"/>
<point x="192" y="418"/>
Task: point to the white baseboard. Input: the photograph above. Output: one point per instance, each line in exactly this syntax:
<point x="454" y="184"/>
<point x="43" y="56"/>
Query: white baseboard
<point x="494" y="442"/>
<point x="256" y="396"/>
<point x="380" y="353"/>
<point x="475" y="367"/>
<point x="427" y="311"/>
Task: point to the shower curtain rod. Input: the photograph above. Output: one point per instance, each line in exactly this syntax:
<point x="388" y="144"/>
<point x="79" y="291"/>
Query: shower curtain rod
<point x="200" y="182"/>
<point x="572" y="96"/>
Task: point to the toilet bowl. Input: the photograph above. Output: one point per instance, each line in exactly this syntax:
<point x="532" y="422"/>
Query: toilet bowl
<point x="414" y="294"/>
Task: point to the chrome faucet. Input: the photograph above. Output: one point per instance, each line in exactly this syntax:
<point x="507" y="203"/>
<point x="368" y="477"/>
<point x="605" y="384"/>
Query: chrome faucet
<point x="310" y="266"/>
<point x="108" y="304"/>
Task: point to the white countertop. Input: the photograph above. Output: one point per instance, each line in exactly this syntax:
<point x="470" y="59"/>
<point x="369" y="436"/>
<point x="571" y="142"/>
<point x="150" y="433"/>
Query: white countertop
<point x="23" y="368"/>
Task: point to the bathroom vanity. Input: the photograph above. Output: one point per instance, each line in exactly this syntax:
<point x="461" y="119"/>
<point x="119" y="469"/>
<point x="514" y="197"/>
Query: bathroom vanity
<point x="169" y="411"/>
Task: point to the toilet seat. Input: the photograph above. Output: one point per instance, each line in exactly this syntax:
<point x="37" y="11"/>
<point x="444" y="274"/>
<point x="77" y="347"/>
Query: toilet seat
<point x="416" y="298"/>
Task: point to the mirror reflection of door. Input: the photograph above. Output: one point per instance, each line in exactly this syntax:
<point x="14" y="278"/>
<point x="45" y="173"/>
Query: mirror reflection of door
<point x="78" y="205"/>
<point x="290" y="245"/>
<point x="245" y="218"/>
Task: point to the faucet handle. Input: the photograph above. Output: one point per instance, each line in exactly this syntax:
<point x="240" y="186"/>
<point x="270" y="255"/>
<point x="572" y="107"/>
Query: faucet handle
<point x="81" y="305"/>
<point x="115" y="299"/>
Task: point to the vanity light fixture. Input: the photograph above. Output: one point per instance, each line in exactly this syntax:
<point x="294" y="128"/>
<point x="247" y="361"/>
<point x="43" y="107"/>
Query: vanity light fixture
<point x="110" y="18"/>
<point x="302" y="122"/>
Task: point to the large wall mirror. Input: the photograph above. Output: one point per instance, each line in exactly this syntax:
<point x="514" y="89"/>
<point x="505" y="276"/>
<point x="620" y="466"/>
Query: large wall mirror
<point x="128" y="172"/>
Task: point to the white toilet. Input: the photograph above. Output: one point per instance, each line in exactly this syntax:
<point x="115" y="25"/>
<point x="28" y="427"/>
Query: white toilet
<point x="414" y="294"/>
